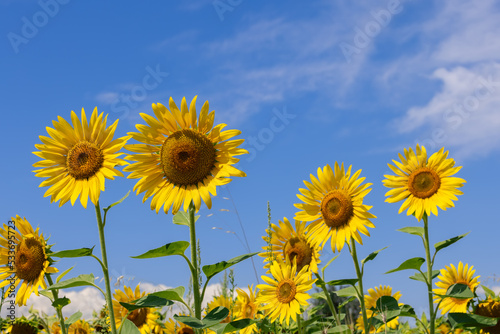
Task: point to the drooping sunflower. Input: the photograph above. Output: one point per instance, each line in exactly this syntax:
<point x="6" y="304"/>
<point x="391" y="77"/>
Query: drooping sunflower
<point x="489" y="308"/>
<point x="80" y="327"/>
<point x="371" y="301"/>
<point x="78" y="158"/>
<point x="285" y="292"/>
<point x="22" y="326"/>
<point x="452" y="275"/>
<point x="245" y="307"/>
<point x="30" y="264"/>
<point x="227" y="302"/>
<point x="333" y="203"/>
<point x="182" y="157"/>
<point x="143" y="318"/>
<point x="294" y="244"/>
<point x="424" y="184"/>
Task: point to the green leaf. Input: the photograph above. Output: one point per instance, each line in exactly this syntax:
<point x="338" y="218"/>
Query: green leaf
<point x="61" y="302"/>
<point x="372" y="256"/>
<point x="173" y="248"/>
<point x="174" y="294"/>
<point x="346" y="281"/>
<point x="443" y="244"/>
<point x="128" y="327"/>
<point x="338" y="329"/>
<point x="347" y="301"/>
<point x="116" y="203"/>
<point x="63" y="274"/>
<point x="233" y="326"/>
<point x="146" y="301"/>
<point x="74" y="318"/>
<point x="471" y="320"/>
<point x="190" y="321"/>
<point x="460" y="291"/>
<point x="213" y="269"/>
<point x="319" y="295"/>
<point x="327" y="264"/>
<point x="182" y="218"/>
<point x="407" y="311"/>
<point x="488" y="292"/>
<point x="415" y="230"/>
<point x="413" y="263"/>
<point x="81" y="280"/>
<point x="388" y="308"/>
<point x="80" y="252"/>
<point x="419" y="277"/>
<point x="47" y="294"/>
<point x="215" y="316"/>
<point x="347" y="292"/>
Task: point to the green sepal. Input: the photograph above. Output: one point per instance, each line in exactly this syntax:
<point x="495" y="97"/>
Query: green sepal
<point x="413" y="263"/>
<point x="213" y="269"/>
<point x="173" y="248"/>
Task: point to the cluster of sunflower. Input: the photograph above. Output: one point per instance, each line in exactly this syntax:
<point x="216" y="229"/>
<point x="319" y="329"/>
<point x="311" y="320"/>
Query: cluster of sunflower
<point x="179" y="160"/>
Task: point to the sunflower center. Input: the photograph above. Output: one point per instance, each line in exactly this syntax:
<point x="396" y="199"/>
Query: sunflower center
<point x="80" y="331"/>
<point x="187" y="157"/>
<point x="424" y="182"/>
<point x="337" y="209"/>
<point x="298" y="249"/>
<point x="249" y="311"/>
<point x="23" y="328"/>
<point x="185" y="330"/>
<point x="30" y="257"/>
<point x="285" y="292"/>
<point x="84" y="160"/>
<point x="138" y="317"/>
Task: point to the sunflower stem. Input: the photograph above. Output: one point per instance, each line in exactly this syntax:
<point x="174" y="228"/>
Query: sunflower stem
<point x="329" y="300"/>
<point x="58" y="309"/>
<point x="194" y="262"/>
<point x="360" y="283"/>
<point x="429" y="274"/>
<point x="105" y="268"/>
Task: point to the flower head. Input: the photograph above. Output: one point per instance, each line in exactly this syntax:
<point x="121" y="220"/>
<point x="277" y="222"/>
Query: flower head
<point x="371" y="302"/>
<point x="246" y="307"/>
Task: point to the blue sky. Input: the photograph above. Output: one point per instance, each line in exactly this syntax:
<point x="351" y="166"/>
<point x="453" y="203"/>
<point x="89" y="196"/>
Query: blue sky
<point x="308" y="85"/>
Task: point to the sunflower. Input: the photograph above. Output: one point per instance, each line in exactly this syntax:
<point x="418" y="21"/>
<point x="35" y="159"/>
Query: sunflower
<point x="227" y="302"/>
<point x="78" y="158"/>
<point x="489" y="308"/>
<point x="22" y="326"/>
<point x="143" y="318"/>
<point x="295" y="244"/>
<point x="424" y="184"/>
<point x="450" y="276"/>
<point x="182" y="158"/>
<point x="285" y="292"/>
<point x="80" y="327"/>
<point x="245" y="307"/>
<point x="174" y="327"/>
<point x="371" y="302"/>
<point x="30" y="263"/>
<point x="333" y="203"/>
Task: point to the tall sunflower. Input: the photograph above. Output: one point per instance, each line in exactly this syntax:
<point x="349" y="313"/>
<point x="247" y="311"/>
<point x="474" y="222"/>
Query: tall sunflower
<point x="182" y="157"/>
<point x="294" y="244"/>
<point x="333" y="203"/>
<point x="424" y="184"/>
<point x="22" y="326"/>
<point x="371" y="302"/>
<point x="452" y="275"/>
<point x="143" y="318"/>
<point x="78" y="158"/>
<point x="489" y="308"/>
<point x="30" y="260"/>
<point x="246" y="307"/>
<point x="80" y="327"/>
<point x="285" y="292"/>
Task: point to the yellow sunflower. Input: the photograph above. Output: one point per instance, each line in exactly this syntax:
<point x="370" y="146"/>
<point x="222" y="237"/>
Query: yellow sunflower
<point x="78" y="158"/>
<point x="285" y="292"/>
<point x="22" y="326"/>
<point x="182" y="157"/>
<point x="80" y="327"/>
<point x="227" y="302"/>
<point x="23" y="259"/>
<point x="424" y="184"/>
<point x="55" y="328"/>
<point x="174" y="327"/>
<point x="489" y="308"/>
<point x="452" y="275"/>
<point x="371" y="301"/>
<point x="143" y="318"/>
<point x="245" y="307"/>
<point x="333" y="203"/>
<point x="295" y="244"/>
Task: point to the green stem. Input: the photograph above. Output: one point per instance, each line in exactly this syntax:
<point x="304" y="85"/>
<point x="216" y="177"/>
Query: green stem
<point x="429" y="274"/>
<point x="329" y="300"/>
<point x="58" y="309"/>
<point x="194" y="262"/>
<point x="105" y="268"/>
<point x="359" y="274"/>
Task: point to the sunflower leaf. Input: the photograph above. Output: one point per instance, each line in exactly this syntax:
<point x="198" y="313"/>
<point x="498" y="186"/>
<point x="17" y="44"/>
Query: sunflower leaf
<point x="117" y="202"/>
<point x="338" y="329"/>
<point x="328" y="263"/>
<point x="388" y="308"/>
<point x="190" y="321"/>
<point x="443" y="244"/>
<point x="347" y="301"/>
<point x="63" y="274"/>
<point x="415" y="230"/>
<point x="81" y="280"/>
<point x="459" y="291"/>
<point x="182" y="218"/>
<point x="213" y="317"/>
<point x="346" y="281"/>
<point x="146" y="301"/>
<point x="74" y="318"/>
<point x="173" y="248"/>
<point x="174" y="294"/>
<point x="407" y="311"/>
<point x="372" y="256"/>
<point x="423" y="278"/>
<point x="488" y="292"/>
<point x="128" y="327"/>
<point x="350" y="291"/>
<point x="213" y="269"/>
<point x="233" y="326"/>
<point x="61" y="302"/>
<point x="413" y="263"/>
<point x="471" y="320"/>
<point x="80" y="252"/>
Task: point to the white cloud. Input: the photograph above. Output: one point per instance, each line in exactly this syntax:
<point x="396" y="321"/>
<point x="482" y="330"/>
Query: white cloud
<point x="107" y="97"/>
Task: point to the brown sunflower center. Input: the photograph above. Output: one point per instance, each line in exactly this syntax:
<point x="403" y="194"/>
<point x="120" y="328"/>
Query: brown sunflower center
<point x="185" y="330"/>
<point x="187" y="157"/>
<point x="285" y="292"/>
<point x="423" y="182"/>
<point x="138" y="317"/>
<point x="84" y="160"/>
<point x="249" y="311"/>
<point x="30" y="258"/>
<point x="337" y="209"/>
<point x="298" y="249"/>
<point x="23" y="328"/>
<point x="80" y="331"/>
